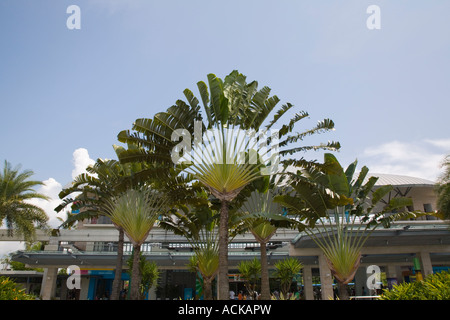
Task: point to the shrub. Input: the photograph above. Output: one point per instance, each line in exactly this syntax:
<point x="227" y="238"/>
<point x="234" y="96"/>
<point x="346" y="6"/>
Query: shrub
<point x="9" y="290"/>
<point x="433" y="287"/>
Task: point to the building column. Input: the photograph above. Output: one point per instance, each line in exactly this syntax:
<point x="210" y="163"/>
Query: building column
<point x="326" y="280"/>
<point x="49" y="283"/>
<point x="392" y="276"/>
<point x="425" y="262"/>
<point x="307" y="283"/>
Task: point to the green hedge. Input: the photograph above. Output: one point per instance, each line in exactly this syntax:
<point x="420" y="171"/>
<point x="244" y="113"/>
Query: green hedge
<point x="433" y="287"/>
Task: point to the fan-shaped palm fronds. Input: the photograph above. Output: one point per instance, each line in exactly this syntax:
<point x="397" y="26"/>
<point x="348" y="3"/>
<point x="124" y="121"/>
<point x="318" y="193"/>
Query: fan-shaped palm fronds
<point x="229" y="103"/>
<point x="135" y="211"/>
<point x="338" y="212"/>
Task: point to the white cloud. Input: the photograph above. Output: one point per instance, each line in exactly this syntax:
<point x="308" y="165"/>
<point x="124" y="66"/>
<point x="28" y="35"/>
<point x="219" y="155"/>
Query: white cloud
<point x="419" y="159"/>
<point x="8" y="247"/>
<point x="440" y="143"/>
<point x="51" y="189"/>
<point x="81" y="161"/>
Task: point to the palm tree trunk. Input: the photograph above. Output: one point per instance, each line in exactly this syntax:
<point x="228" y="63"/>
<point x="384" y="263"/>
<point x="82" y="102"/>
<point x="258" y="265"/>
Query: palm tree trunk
<point x="118" y="274"/>
<point x="265" y="287"/>
<point x="343" y="292"/>
<point x="135" y="274"/>
<point x="207" y="288"/>
<point x="224" y="287"/>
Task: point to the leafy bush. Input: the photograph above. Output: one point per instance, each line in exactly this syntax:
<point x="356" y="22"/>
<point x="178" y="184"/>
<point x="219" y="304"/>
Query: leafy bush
<point x="433" y="287"/>
<point x="286" y="270"/>
<point x="9" y="290"/>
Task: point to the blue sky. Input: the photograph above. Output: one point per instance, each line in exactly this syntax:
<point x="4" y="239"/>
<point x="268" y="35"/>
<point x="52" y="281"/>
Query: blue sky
<point x="66" y="94"/>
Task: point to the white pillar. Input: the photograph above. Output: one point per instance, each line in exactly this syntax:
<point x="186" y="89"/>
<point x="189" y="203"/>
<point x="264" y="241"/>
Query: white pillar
<point x="307" y="283"/>
<point x="49" y="283"/>
<point x="393" y="275"/>
<point x="326" y="280"/>
<point x="425" y="262"/>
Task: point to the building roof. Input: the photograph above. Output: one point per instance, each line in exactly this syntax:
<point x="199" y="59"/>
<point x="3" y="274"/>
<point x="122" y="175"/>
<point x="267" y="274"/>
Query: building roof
<point x="400" y="180"/>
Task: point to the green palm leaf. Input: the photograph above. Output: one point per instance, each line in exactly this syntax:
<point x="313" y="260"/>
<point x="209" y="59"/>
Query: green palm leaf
<point x="16" y="189"/>
<point x="136" y="211"/>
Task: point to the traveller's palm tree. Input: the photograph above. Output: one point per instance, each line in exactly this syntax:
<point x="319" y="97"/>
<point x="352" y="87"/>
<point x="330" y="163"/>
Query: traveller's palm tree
<point x="207" y="263"/>
<point x="338" y="213"/>
<point x="136" y="211"/>
<point x="230" y="105"/>
<point x="149" y="274"/>
<point x="103" y="180"/>
<point x="16" y="191"/>
<point x="197" y="222"/>
<point x="86" y="194"/>
<point x="260" y="215"/>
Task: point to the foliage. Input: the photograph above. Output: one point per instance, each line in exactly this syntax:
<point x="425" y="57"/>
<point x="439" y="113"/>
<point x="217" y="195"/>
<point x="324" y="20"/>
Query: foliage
<point x="260" y="215"/>
<point x="205" y="263"/>
<point x="231" y="105"/>
<point x="281" y="296"/>
<point x="136" y="211"/>
<point x="208" y="261"/>
<point x="443" y="191"/>
<point x="228" y="102"/>
<point x="250" y="271"/>
<point x="339" y="212"/>
<point x="20" y="216"/>
<point x="101" y="181"/>
<point x="197" y="222"/>
<point x="434" y="287"/>
<point x="286" y="270"/>
<point x="149" y="273"/>
<point x="9" y="290"/>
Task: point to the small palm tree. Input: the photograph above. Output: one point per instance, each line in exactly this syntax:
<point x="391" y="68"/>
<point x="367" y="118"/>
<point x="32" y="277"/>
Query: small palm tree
<point x="206" y="260"/>
<point x="16" y="190"/>
<point x="251" y="272"/>
<point x="260" y="215"/>
<point x="286" y="270"/>
<point x="197" y="222"/>
<point x="149" y="274"/>
<point x="136" y="212"/>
